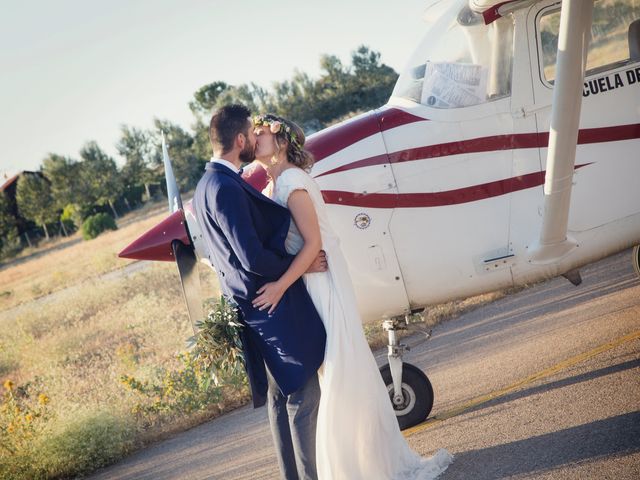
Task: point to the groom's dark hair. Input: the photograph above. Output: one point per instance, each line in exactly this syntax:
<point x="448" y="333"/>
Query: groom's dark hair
<point x="226" y="124"/>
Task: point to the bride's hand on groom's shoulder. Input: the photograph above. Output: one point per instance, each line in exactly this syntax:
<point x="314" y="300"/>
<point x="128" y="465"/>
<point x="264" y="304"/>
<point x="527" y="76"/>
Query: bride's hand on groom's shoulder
<point x="268" y="296"/>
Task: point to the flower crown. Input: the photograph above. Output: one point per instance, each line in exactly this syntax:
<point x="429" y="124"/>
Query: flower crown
<point x="276" y="126"/>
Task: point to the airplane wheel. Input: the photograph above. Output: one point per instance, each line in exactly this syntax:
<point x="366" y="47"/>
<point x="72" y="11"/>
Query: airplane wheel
<point x="417" y="393"/>
<point x="635" y="258"/>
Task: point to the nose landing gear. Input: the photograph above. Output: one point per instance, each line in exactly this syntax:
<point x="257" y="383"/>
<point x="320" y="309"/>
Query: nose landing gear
<point x="410" y="390"/>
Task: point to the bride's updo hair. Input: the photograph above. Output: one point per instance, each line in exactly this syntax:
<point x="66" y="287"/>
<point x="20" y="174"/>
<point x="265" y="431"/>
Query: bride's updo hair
<point x="291" y="133"/>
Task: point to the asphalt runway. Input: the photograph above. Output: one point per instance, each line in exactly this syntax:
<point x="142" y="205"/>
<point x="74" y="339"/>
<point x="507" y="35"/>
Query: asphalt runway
<point x="544" y="383"/>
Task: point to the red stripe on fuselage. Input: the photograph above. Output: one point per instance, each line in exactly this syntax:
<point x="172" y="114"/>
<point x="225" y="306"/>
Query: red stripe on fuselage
<point x="474" y="145"/>
<point x="327" y="142"/>
<point x="389" y="118"/>
<point x="608" y="134"/>
<point x="366" y="162"/>
<point x="437" y="199"/>
<point x="490" y="144"/>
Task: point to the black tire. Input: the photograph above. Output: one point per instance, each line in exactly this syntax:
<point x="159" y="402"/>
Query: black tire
<point x="417" y="392"/>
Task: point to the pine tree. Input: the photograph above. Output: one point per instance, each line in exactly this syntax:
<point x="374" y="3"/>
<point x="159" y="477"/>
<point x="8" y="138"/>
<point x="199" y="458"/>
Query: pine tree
<point x="35" y="201"/>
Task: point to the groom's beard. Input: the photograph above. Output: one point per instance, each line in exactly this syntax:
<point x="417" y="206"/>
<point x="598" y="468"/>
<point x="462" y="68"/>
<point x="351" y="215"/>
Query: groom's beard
<point x="248" y="153"/>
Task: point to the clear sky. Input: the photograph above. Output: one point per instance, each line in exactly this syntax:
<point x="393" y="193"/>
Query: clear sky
<point x="75" y="70"/>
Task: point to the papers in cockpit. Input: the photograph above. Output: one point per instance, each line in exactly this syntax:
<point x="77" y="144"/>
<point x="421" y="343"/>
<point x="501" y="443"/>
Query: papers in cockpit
<point x="452" y="85"/>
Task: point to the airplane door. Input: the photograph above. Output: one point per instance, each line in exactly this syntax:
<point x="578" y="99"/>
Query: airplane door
<point x="454" y="171"/>
<point x="360" y="193"/>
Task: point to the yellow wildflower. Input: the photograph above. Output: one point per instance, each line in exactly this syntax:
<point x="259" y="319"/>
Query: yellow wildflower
<point x="28" y="417"/>
<point x="10" y="428"/>
<point x="8" y="384"/>
<point x="43" y="399"/>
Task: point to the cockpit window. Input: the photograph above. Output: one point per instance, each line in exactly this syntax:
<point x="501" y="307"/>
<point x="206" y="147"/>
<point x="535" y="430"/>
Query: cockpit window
<point x="460" y="62"/>
<point x="615" y="37"/>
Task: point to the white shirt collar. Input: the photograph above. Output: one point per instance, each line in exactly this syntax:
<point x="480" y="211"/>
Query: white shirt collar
<point x="226" y="163"/>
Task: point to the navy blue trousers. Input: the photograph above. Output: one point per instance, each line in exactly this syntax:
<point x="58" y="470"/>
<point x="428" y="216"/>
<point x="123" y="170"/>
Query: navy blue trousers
<point x="293" y="420"/>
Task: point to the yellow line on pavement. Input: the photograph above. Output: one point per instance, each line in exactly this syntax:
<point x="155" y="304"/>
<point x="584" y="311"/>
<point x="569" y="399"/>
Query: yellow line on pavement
<point x="532" y="378"/>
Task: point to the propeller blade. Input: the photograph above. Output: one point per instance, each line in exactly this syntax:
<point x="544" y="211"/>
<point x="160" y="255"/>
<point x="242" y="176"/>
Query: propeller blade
<point x="190" y="280"/>
<point x="175" y="202"/>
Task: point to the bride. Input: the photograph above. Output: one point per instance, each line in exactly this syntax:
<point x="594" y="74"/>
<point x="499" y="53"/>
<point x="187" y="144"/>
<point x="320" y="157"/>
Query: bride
<point x="357" y="435"/>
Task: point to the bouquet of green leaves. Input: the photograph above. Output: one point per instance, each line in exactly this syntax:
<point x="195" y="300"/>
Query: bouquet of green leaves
<point x="217" y="346"/>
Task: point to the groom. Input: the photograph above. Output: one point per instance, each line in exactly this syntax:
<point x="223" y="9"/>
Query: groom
<point x="244" y="232"/>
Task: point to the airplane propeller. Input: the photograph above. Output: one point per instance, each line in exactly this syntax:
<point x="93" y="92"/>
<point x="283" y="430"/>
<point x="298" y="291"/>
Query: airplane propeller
<point x="184" y="255"/>
<point x="170" y="241"/>
<point x="190" y="281"/>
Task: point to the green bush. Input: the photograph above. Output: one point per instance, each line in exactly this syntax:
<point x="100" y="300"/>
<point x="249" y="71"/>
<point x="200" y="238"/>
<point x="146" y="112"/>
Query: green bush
<point x="10" y="244"/>
<point x="214" y="363"/>
<point x="23" y="417"/>
<point x="85" y="441"/>
<point x="96" y="224"/>
<point x="37" y="445"/>
<point x="71" y="216"/>
<point x="173" y="391"/>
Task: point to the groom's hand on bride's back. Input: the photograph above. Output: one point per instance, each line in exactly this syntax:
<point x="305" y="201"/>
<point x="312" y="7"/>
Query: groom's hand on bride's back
<point x="319" y="264"/>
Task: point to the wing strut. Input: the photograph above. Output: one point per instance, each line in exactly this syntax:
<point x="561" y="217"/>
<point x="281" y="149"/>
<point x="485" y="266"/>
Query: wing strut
<point x="573" y="42"/>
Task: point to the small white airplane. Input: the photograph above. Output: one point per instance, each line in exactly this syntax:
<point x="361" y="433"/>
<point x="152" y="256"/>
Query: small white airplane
<point x="509" y="152"/>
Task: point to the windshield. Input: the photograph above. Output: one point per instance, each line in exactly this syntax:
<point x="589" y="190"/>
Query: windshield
<point x="461" y="61"/>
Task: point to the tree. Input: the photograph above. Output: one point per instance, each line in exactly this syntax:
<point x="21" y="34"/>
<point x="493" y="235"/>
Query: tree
<point x="63" y="174"/>
<point x="9" y="237"/>
<point x="35" y="201"/>
<point x="373" y="81"/>
<point x="7" y="221"/>
<point x="136" y="147"/>
<point x="205" y="100"/>
<point x="201" y="142"/>
<point x="187" y="166"/>
<point x="297" y="99"/>
<point x="340" y="91"/>
<point x="213" y="96"/>
<point x="68" y="188"/>
<point x="248" y="95"/>
<point x="99" y="173"/>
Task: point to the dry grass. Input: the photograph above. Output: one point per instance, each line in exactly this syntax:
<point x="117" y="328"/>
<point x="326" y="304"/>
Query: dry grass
<point x="83" y="340"/>
<point x="77" y="346"/>
<point x="77" y="349"/>
<point x="69" y="261"/>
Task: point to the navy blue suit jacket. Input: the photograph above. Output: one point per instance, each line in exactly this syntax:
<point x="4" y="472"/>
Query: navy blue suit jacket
<point x="244" y="232"/>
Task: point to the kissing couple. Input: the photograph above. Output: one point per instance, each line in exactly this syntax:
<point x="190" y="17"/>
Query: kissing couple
<point x="306" y="355"/>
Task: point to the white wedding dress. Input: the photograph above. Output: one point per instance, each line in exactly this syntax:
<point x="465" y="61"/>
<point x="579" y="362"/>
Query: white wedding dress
<point x="358" y="437"/>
